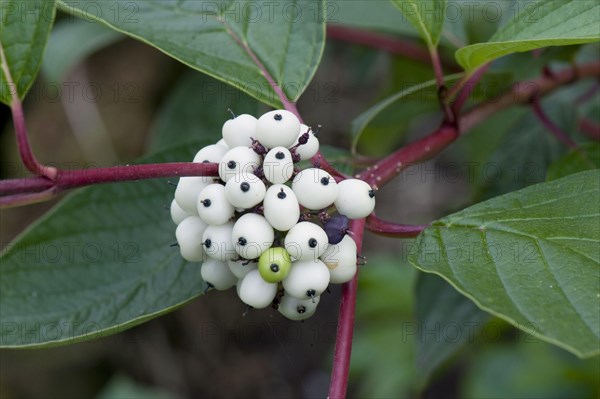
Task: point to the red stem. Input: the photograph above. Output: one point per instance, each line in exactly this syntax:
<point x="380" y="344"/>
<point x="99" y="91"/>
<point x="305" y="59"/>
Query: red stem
<point x="524" y="92"/>
<point x="418" y="151"/>
<point x="68" y="179"/>
<point x="345" y="331"/>
<point x="29" y="160"/>
<point x="590" y="129"/>
<point x="550" y="125"/>
<point x="388" y="229"/>
<point x="390" y="44"/>
<point x="467" y="87"/>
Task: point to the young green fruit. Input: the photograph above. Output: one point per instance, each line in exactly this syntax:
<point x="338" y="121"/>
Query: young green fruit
<point x="274" y="264"/>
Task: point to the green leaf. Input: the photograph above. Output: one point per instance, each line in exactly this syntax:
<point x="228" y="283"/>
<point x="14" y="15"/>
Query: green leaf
<point x="24" y="29"/>
<point x="452" y="317"/>
<point x="71" y="41"/>
<point x="427" y="16"/>
<point x="542" y="24"/>
<point x="239" y="42"/>
<point x="365" y="15"/>
<point x="195" y="109"/>
<point x="582" y="158"/>
<point x="530" y="257"/>
<point x="525" y="152"/>
<point x="421" y="93"/>
<point x="526" y="368"/>
<point x="97" y="264"/>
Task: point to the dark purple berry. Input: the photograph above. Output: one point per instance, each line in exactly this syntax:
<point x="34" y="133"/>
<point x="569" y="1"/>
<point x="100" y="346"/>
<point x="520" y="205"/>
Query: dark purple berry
<point x="336" y="228"/>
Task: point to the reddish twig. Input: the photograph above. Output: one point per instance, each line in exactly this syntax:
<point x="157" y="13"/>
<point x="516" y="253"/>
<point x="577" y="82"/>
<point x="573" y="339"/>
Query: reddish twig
<point x="466" y="87"/>
<point x="524" y="92"/>
<point x="590" y="129"/>
<point x="388" y="229"/>
<point x="393" y="45"/>
<point x="550" y="125"/>
<point x="345" y="330"/>
<point x="10" y="190"/>
<point x="418" y="151"/>
<point x="29" y="160"/>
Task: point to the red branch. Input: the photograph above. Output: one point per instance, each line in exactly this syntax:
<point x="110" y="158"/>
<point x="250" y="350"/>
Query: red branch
<point x="466" y="87"/>
<point x="345" y="331"/>
<point x="550" y="125"/>
<point x="431" y="145"/>
<point x="418" y="151"/>
<point x="524" y="92"/>
<point x="388" y="229"/>
<point x="29" y="160"/>
<point x="67" y="179"/>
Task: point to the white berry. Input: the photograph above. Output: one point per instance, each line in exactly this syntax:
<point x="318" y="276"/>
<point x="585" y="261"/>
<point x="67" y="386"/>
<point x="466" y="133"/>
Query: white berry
<point x="252" y="235"/>
<point x="217" y="274"/>
<point x="238" y="160"/>
<point x="177" y="214"/>
<point x="306" y="241"/>
<point x="187" y="192"/>
<point x="277" y="128"/>
<point x="341" y="260"/>
<point x="189" y="235"/>
<point x="298" y="309"/>
<point x="218" y="243"/>
<point x="245" y="191"/>
<point x="315" y="188"/>
<point x="212" y="153"/>
<point x="213" y="207"/>
<point x="223" y="143"/>
<point x="238" y="131"/>
<point x="278" y="165"/>
<point x="311" y="147"/>
<point x="281" y="207"/>
<point x="241" y="267"/>
<point x="256" y="292"/>
<point x="307" y="279"/>
<point x="355" y="199"/>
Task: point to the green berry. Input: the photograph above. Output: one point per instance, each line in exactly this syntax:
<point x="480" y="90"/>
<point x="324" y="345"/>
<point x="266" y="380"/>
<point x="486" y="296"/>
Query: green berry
<point x="274" y="264"/>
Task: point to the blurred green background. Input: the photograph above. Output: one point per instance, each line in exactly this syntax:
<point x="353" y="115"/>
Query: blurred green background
<point x="116" y="99"/>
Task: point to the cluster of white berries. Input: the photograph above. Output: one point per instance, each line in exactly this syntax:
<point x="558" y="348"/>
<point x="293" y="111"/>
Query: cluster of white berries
<point x="275" y="241"/>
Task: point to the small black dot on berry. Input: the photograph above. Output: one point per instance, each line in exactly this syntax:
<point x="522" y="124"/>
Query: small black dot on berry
<point x="325" y="181"/>
<point x="372" y="193"/>
<point x="231" y="164"/>
<point x="207" y="243"/>
<point x="277" y="117"/>
<point x="281" y="194"/>
<point x="242" y="241"/>
<point x="311" y="293"/>
<point x="312" y="243"/>
<point x="280" y="155"/>
<point x="245" y="186"/>
<point x="301" y="309"/>
<point x="274" y="267"/>
<point x="206" y="203"/>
